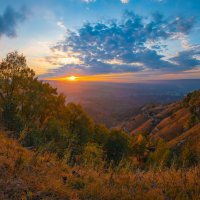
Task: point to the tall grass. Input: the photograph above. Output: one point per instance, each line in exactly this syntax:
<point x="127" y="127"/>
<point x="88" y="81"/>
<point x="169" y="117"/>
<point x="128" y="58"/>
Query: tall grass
<point x="27" y="175"/>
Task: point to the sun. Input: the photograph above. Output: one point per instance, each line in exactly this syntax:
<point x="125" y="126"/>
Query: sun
<point x="72" y="78"/>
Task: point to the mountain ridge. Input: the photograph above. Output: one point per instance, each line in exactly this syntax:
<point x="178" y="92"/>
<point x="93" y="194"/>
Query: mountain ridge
<point x="171" y="122"/>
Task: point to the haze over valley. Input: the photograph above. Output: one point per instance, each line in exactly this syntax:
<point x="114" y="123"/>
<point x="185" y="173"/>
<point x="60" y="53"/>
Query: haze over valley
<point x="113" y="103"/>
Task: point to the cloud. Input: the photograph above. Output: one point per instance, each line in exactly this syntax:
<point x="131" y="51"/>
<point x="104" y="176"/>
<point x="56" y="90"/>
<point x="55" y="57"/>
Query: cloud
<point x="131" y="44"/>
<point x="91" y="1"/>
<point x="88" y="1"/>
<point x="61" y="25"/>
<point x="188" y="59"/>
<point x="10" y="19"/>
<point x="124" y="1"/>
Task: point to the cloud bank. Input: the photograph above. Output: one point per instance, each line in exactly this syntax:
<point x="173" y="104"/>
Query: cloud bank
<point x="131" y="44"/>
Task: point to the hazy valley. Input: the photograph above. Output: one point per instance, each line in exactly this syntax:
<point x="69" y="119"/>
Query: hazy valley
<point x="118" y="102"/>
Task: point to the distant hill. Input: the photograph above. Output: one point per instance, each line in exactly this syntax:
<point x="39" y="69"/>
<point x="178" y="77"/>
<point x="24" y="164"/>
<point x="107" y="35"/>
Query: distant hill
<point x="176" y="123"/>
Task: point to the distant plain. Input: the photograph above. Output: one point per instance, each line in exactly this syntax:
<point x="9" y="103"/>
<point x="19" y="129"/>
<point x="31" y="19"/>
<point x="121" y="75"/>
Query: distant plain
<point x="113" y="103"/>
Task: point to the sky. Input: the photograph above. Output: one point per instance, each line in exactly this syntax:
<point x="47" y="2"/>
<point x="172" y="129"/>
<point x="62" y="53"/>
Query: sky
<point x="104" y="40"/>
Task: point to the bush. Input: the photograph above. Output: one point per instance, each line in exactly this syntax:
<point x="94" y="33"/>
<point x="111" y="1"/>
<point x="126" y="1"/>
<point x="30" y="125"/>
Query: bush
<point x="161" y="157"/>
<point x="188" y="155"/>
<point x="93" y="156"/>
<point x="117" y="146"/>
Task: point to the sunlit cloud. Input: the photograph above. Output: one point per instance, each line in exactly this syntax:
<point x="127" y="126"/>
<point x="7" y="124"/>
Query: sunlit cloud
<point x="61" y="58"/>
<point x="120" y="62"/>
<point x="88" y="1"/>
<point x="130" y="45"/>
<point x="124" y="1"/>
<point x="61" y="25"/>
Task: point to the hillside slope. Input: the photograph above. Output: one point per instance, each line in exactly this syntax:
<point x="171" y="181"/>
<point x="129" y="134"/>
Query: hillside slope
<point x="175" y="123"/>
<point x="26" y="175"/>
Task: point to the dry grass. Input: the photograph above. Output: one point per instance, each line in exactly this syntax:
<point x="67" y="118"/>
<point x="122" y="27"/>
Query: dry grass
<point x="25" y="175"/>
<point x="164" y="185"/>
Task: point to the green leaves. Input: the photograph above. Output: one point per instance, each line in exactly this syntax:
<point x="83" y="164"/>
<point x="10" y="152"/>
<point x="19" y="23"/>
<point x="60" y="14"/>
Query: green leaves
<point x="192" y="102"/>
<point x="78" y="123"/>
<point x="117" y="146"/>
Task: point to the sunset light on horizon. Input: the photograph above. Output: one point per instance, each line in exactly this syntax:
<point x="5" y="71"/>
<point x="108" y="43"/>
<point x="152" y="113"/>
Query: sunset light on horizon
<point x="72" y="78"/>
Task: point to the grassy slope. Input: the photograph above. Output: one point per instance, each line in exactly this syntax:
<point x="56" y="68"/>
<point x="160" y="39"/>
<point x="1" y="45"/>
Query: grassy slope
<point x="25" y="175"/>
<point x="167" y="122"/>
<point x="193" y="134"/>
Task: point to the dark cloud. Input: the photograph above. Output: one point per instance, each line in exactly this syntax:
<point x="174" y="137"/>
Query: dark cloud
<point x="97" y="68"/>
<point x="187" y="59"/>
<point x="10" y="19"/>
<point x="131" y="40"/>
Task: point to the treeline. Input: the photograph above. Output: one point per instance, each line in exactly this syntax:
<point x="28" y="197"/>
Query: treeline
<point x="39" y="118"/>
<point x="192" y="101"/>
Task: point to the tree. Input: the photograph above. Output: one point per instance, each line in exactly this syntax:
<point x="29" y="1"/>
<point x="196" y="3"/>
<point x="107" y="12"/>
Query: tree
<point x="192" y="101"/>
<point x="41" y="103"/>
<point x="25" y="101"/>
<point x="139" y="144"/>
<point x="14" y="77"/>
<point x="117" y="146"/>
<point x="189" y="155"/>
<point x="162" y="156"/>
<point x="93" y="155"/>
<point x="100" y="134"/>
<point x="11" y="117"/>
<point x="78" y="123"/>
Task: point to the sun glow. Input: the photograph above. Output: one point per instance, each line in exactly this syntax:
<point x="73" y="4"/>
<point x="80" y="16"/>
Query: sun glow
<point x="72" y="78"/>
